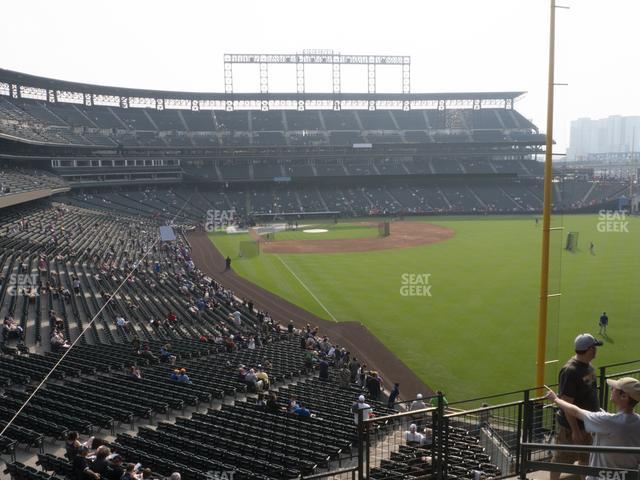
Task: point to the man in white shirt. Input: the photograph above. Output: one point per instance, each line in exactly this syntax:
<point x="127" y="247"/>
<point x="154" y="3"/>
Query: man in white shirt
<point x="237" y="318"/>
<point x="412" y="436"/>
<point x="621" y="429"/>
<point x="361" y="405"/>
<point x="417" y="404"/>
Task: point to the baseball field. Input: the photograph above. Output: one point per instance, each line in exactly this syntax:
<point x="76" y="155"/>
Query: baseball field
<point x="460" y="308"/>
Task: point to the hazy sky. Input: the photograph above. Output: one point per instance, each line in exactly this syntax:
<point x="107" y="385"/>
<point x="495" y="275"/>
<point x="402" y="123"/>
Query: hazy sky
<point x="455" y="45"/>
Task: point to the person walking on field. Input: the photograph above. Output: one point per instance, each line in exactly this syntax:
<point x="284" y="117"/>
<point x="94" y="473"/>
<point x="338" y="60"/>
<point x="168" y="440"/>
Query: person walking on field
<point x="604" y="321"/>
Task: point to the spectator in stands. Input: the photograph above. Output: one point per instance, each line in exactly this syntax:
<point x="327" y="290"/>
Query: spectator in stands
<point x="417" y="404"/>
<point x="292" y="403"/>
<point x="135" y="373"/>
<point x="73" y="445"/>
<point x="577" y="384"/>
<point x="433" y="401"/>
<point x="147" y="474"/>
<point x="263" y="378"/>
<point x="253" y="384"/>
<point x="393" y="396"/>
<point x="9" y="327"/>
<point x="101" y="464"/>
<point x="122" y="323"/>
<point x="344" y="377"/>
<point x="620" y="429"/>
<point x="413" y="437"/>
<point x="362" y="375"/>
<point x="145" y="353"/>
<point x="81" y="466"/>
<point x="66" y="294"/>
<point x="229" y="344"/>
<point x="130" y="473"/>
<point x="183" y="377"/>
<point x="117" y="467"/>
<point x="323" y="369"/>
<point x="76" y="286"/>
<point x="236" y="318"/>
<point x="166" y="355"/>
<point x="290" y="328"/>
<point x="58" y="342"/>
<point x="301" y="411"/>
<point x="361" y="405"/>
<point x="373" y="384"/>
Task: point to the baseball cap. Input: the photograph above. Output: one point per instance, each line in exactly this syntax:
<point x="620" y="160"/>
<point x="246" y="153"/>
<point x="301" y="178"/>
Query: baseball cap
<point x="584" y="341"/>
<point x="628" y="385"/>
<point x="361" y="398"/>
<point x="419" y="396"/>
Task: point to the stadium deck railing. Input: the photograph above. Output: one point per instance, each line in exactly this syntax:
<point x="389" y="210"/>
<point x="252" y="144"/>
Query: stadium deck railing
<point x="501" y="430"/>
<point x="602" y="473"/>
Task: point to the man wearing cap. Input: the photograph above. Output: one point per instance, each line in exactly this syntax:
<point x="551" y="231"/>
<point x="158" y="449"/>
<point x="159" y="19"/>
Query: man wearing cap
<point x="577" y="386"/>
<point x="418" y="403"/>
<point x="361" y="405"/>
<point x="620" y="429"/>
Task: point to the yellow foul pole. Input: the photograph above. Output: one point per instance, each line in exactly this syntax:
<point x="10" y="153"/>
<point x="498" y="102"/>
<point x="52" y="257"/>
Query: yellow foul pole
<point x="546" y="212"/>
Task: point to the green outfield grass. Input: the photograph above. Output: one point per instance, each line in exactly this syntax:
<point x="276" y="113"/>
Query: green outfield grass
<point x="335" y="231"/>
<point x="476" y="334"/>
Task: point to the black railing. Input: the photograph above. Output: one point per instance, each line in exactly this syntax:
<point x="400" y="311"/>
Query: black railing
<point x="493" y="441"/>
<point x="604" y="473"/>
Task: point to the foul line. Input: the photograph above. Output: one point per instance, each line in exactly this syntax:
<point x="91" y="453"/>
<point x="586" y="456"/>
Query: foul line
<point x="307" y="288"/>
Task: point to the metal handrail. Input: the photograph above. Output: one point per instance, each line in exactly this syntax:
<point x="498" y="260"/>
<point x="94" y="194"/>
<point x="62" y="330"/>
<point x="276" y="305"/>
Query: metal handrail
<point x="400" y="415"/>
<point x="579" y="448"/>
<point x="597" y="471"/>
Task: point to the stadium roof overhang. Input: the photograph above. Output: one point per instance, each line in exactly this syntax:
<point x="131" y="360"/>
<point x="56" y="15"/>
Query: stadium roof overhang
<point x="18" y="85"/>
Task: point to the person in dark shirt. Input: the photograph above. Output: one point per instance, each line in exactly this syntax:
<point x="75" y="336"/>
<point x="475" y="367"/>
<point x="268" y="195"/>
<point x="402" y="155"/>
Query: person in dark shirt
<point x="373" y="385"/>
<point x="393" y="396"/>
<point x="227" y="263"/>
<point x="301" y="411"/>
<point x="578" y="386"/>
<point x="272" y="404"/>
<point x="323" y="368"/>
<point x="101" y="465"/>
<point x="603" y="323"/>
<point x="116" y="469"/>
<point x="82" y="468"/>
<point x="129" y="473"/>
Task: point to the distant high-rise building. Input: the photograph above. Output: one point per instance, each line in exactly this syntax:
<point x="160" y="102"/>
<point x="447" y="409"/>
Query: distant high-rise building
<point x="615" y="134"/>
